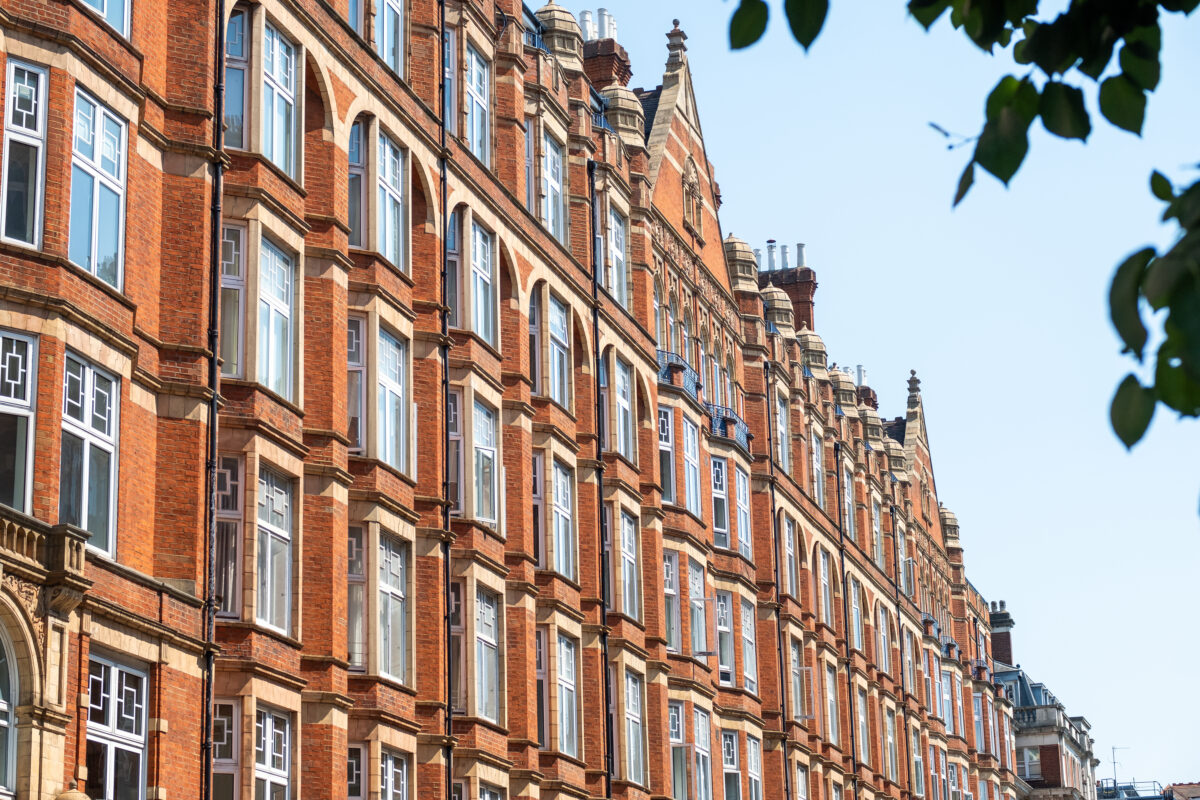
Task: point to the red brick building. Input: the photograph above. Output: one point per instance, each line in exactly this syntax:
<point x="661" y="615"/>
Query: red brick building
<point x="415" y="432"/>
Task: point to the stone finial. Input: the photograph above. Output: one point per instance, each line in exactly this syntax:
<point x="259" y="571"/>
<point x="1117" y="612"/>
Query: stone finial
<point x="675" y="45"/>
<point x="914" y="389"/>
<point x="72" y="794"/>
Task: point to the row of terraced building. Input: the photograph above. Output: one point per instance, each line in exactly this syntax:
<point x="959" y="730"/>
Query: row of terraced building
<point x="415" y="433"/>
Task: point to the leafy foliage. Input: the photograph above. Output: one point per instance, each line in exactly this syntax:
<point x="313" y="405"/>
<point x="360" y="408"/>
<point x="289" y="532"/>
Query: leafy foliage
<point x="1076" y="46"/>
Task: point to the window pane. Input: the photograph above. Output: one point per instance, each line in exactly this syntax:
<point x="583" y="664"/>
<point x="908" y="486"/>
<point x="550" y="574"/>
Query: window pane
<point x="13" y="457"/>
<point x="127" y="775"/>
<point x="235" y="103"/>
<point x="21" y="198"/>
<point x="82" y="189"/>
<point x="70" y="499"/>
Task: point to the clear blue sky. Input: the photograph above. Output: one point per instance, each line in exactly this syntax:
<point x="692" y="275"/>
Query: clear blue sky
<point x="1001" y="308"/>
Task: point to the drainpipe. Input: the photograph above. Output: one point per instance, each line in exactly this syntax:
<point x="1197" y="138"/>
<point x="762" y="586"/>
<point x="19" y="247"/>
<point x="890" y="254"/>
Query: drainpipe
<point x="769" y="383"/>
<point x="896" y="591"/>
<point x="214" y="405"/>
<point x="444" y="359"/>
<point x="597" y="265"/>
<point x="837" y="458"/>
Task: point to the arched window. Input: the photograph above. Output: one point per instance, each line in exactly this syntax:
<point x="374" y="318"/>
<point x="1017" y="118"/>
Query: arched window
<point x="9" y="695"/>
<point x="657" y="321"/>
<point x="672" y="315"/>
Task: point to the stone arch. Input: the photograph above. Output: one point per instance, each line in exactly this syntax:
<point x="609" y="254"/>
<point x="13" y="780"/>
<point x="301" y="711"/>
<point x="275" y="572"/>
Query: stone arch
<point x="316" y="83"/>
<point x="23" y="637"/>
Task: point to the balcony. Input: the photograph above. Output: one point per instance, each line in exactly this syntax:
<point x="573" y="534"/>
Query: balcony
<point x="669" y="363"/>
<point x="726" y="423"/>
<point x="1041" y="717"/>
<point x="44" y="555"/>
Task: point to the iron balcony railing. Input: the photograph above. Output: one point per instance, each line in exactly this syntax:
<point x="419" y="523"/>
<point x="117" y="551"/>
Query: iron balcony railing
<point x="691" y="379"/>
<point x="726" y="423"/>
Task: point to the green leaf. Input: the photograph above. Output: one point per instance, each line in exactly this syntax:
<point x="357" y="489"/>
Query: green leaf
<point x="964" y="183"/>
<point x="1063" y="112"/>
<point x="748" y="23"/>
<point x="806" y="18"/>
<point x="1123" y="103"/>
<point x="1161" y="187"/>
<point x="1186" y="6"/>
<point x="926" y="12"/>
<point x="1131" y="411"/>
<point x="1173" y="385"/>
<point x="1145" y="72"/>
<point x="1002" y="145"/>
<point x="1123" y="301"/>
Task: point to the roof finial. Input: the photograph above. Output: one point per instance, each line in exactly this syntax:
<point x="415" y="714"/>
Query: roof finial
<point x="914" y="389"/>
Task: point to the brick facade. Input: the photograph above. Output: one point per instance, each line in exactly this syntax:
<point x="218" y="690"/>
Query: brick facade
<point x="536" y="488"/>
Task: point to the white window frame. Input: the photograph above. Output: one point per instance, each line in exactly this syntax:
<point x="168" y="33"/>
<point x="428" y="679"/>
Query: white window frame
<point x="947" y="701"/>
<point x="801" y="681"/>
<point x="635" y="730"/>
<point x="356" y="772"/>
<point x="356" y="597"/>
<point x="698" y="605"/>
<point x="105" y="439"/>
<point x="719" y="468"/>
<point x="754" y="767"/>
<point x="801" y="782"/>
<point x="390" y="19"/>
<point x="831" y="704"/>
<point x="391" y="217"/>
<point x="486" y="454"/>
<point x="237" y="61"/>
<point x="553" y="207"/>
<point x="233" y="299"/>
<point x="394" y="567"/>
<point x="749" y="647"/>
<point x="394" y="439"/>
<point x="537" y="496"/>
<point x="231" y="489"/>
<point x="877" y="531"/>
<point x="489" y="616"/>
<point x="691" y="465"/>
<point x="568" y="697"/>
<point x="454" y="274"/>
<point x="483" y="284"/>
<point x="227" y="745"/>
<point x="111" y="724"/>
<point x="356" y="382"/>
<point x="558" y="325"/>
<point x="631" y="583"/>
<point x="784" y="430"/>
<point x="730" y="768"/>
<point x="818" y="468"/>
<point x="745" y="534"/>
<point x="356" y="179"/>
<point x="456" y="455"/>
<point x="272" y="741"/>
<point x="541" y="669"/>
<point x="890" y="738"/>
<point x="276" y="304"/>
<point x="282" y="489"/>
<point x="279" y="100"/>
<point x="884" y="658"/>
<point x="671" y="605"/>
<point x="856" y="620"/>
<point x="530" y="165"/>
<point x="458" y="654"/>
<point x="626" y="440"/>
<point x="564" y="520"/>
<point x="851" y="527"/>
<point x="826" y="589"/>
<point x="725" y="651"/>
<point x="18" y="398"/>
<point x="864" y="727"/>
<point x="666" y="453"/>
<point x="680" y="761"/>
<point x="18" y="133"/>
<point x="478" y="87"/>
<point x="702" y="743"/>
<point x="92" y="132"/>
<point x="618" y="282"/>
<point x="793" y="568"/>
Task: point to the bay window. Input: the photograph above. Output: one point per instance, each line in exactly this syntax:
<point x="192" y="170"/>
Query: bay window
<point x="116" y="730"/>
<point x="697" y="608"/>
<point x="233" y="299"/>
<point x="754" y="767"/>
<point x="389" y="34"/>
<point x="856" y="621"/>
<point x="799" y="692"/>
<point x="449" y="80"/>
<point x="454" y="262"/>
<point x="393" y="422"/>
<point x="877" y="532"/>
<point x="884" y="658"/>
<point x="560" y="349"/>
<point x="88" y="462"/>
<point x="702" y="745"/>
<point x="725" y="656"/>
<point x="272" y="755"/>
<point x="485" y="463"/>
<point x="24" y="153"/>
<point x="356" y="599"/>
<point x="541" y="661"/>
<point x="671" y="608"/>
<point x="478" y="86"/>
<point x="553" y="209"/>
<point x="791" y="551"/>
<point x="454" y="454"/>
<point x="892" y="760"/>
<point x="18" y="360"/>
<point x="564" y="523"/>
<point x="666" y="453"/>
<point x="537" y="476"/>
<point x="483" y="283"/>
<point x="679" y="751"/>
<point x="393" y="776"/>
<point x="818" y="470"/>
<point x="745" y="537"/>
<point x="114" y="12"/>
<point x="631" y="585"/>
<point x="97" y="190"/>
<point x="393" y="608"/>
<point x="864" y="728"/>
<point x="274" y="549"/>
<point x="625" y="430"/>
<point x="948" y="702"/>
<point x="831" y="704"/>
<point x="568" y="711"/>
<point x="784" y="432"/>
<point x="237" y="67"/>
<point x="389" y="233"/>
<point x="848" y="491"/>
<point x="279" y="100"/>
<point x="276" y="272"/>
<point x="225" y="748"/>
<point x="749" y="648"/>
<point x="487" y="654"/>
<point x="458" y="658"/>
<point x="720" y="495"/>
<point x="618" y="282"/>
<point x="356" y="182"/>
<point x="826" y="590"/>
<point x="691" y="465"/>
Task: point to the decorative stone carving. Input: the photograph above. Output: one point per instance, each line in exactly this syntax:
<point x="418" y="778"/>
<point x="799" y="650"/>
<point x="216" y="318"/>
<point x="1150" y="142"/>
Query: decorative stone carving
<point x="29" y="595"/>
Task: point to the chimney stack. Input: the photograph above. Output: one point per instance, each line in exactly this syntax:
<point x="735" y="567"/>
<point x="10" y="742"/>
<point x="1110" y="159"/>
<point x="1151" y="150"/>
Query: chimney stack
<point x="1002" y="625"/>
<point x="800" y="255"/>
<point x="771" y="255"/>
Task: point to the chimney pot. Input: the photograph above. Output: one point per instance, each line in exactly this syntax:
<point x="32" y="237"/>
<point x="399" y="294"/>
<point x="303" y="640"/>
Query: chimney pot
<point x="800" y="255"/>
<point x="587" y="25"/>
<point x="771" y="255"/>
<point x="758" y="257"/>
<point x="604" y="21"/>
<point x="1003" y="605"/>
<point x="784" y="257"/>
